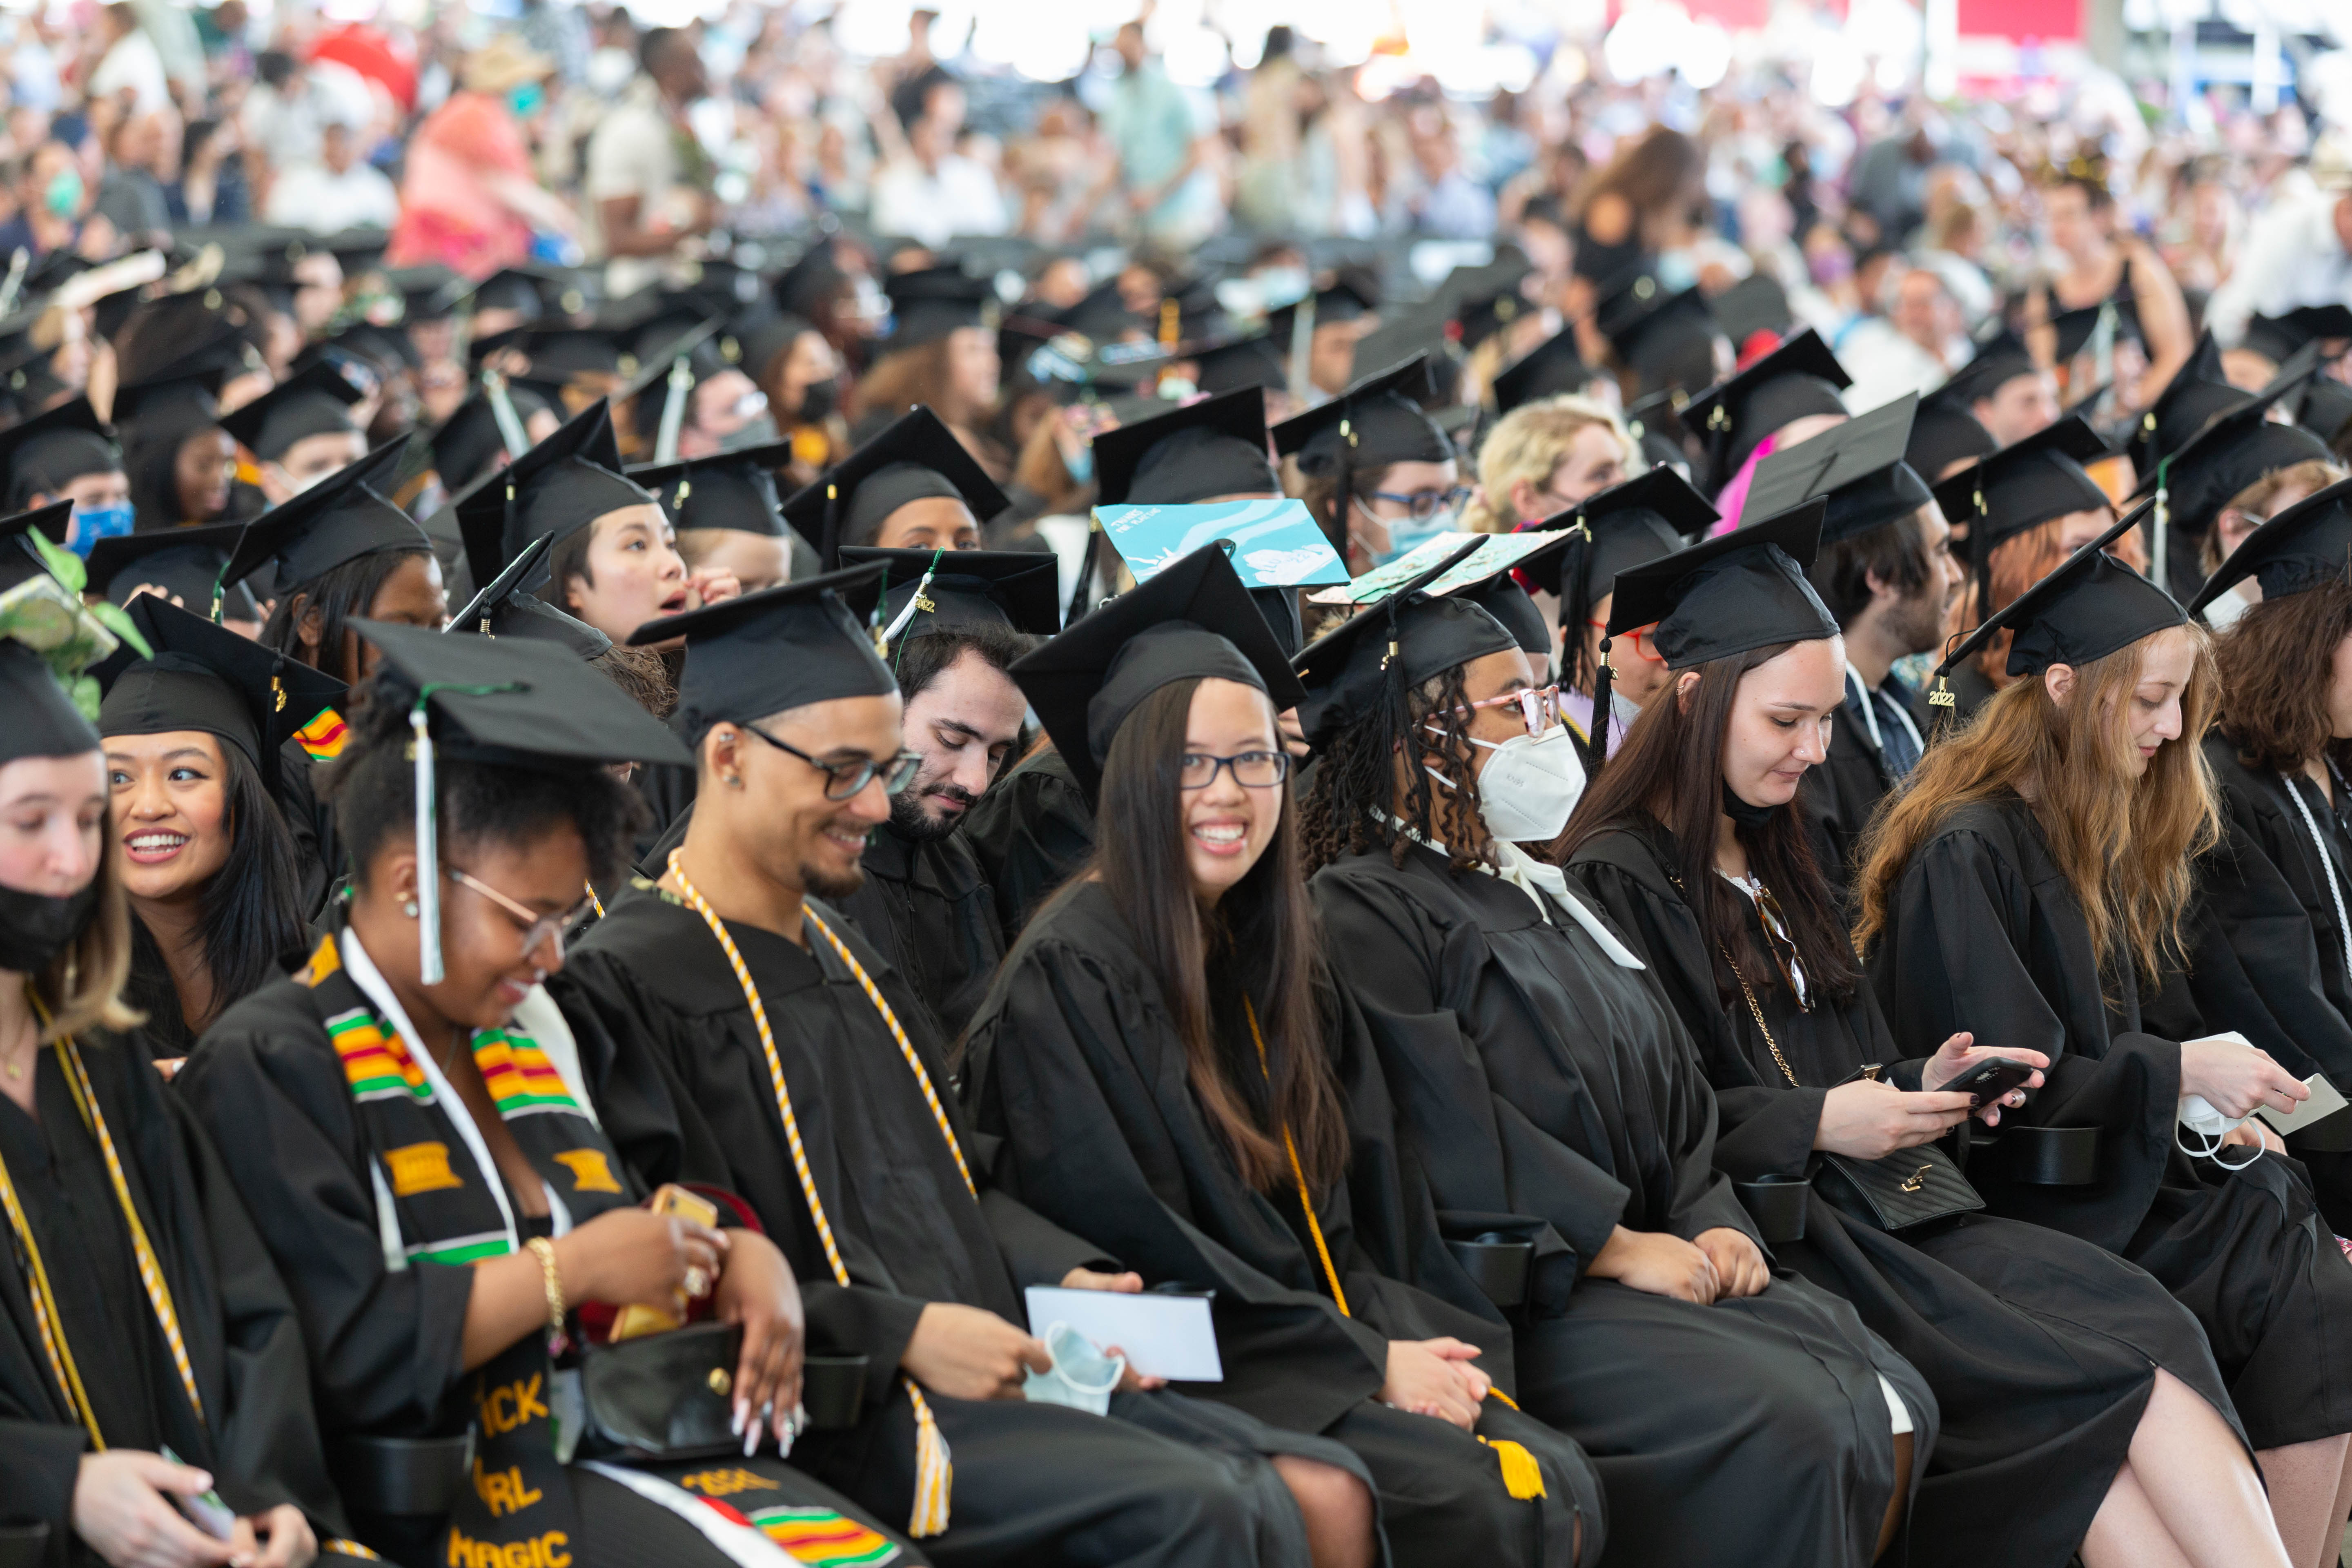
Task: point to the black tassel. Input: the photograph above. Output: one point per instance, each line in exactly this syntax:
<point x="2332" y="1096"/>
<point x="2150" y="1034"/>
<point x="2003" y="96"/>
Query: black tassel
<point x="1086" y="573"/>
<point x="1596" y="740"/>
<point x="828" y="550"/>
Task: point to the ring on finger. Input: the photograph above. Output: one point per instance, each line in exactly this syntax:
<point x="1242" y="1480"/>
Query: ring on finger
<point x="697" y="1281"/>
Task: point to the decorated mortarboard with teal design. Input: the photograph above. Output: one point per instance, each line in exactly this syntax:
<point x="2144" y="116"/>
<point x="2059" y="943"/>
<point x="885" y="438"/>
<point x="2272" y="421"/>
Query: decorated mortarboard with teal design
<point x="1496" y="552"/>
<point x="1275" y="543"/>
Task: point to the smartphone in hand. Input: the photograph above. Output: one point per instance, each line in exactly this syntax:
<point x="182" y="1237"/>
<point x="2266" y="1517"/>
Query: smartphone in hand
<point x="204" y="1510"/>
<point x="1988" y="1081"/>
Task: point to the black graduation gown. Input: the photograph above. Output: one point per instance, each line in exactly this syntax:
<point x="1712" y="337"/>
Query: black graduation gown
<point x="1549" y="1094"/>
<point x="1835" y="800"/>
<point x="2041" y="1348"/>
<point x="682" y="1086"/>
<point x="667" y="790"/>
<point x="317" y="850"/>
<point x="245" y="1347"/>
<point x="931" y="914"/>
<point x="1074" y="1064"/>
<point x="2265" y="946"/>
<point x="1984" y="933"/>
<point x="1030" y="831"/>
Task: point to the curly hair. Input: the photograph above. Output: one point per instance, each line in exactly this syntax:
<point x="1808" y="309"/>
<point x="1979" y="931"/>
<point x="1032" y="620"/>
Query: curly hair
<point x="2277" y="665"/>
<point x="1354" y="791"/>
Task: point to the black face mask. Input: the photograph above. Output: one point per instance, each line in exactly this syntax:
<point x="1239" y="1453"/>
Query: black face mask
<point x="36" y="928"/>
<point x="1754" y="818"/>
<point x="819" y="400"/>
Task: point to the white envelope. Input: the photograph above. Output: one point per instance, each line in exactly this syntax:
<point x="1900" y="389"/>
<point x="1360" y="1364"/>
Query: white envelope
<point x="1161" y="1336"/>
<point x="2325" y="1101"/>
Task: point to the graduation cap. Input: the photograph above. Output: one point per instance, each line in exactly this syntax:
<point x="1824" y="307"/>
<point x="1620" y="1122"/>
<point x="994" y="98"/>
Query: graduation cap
<point x="934" y="301"/>
<point x="2236" y="447"/>
<point x="733" y="491"/>
<point x="1942" y="432"/>
<point x="2076" y="328"/>
<point x="1214" y="448"/>
<point x="1492" y="310"/>
<point x="559" y="487"/>
<point x="767" y="338"/>
<point x="1500" y="594"/>
<point x="559" y="354"/>
<point x="647" y="394"/>
<point x="19" y="559"/>
<point x="1757" y="303"/>
<point x="914" y="459"/>
<point x="206" y="677"/>
<point x="922" y="591"/>
<point x="2277" y="338"/>
<point x="1627" y="525"/>
<point x="1345" y="298"/>
<point x="428" y="293"/>
<point x="470" y="441"/>
<point x="504" y="701"/>
<point x="535" y="292"/>
<point x="1100" y="313"/>
<point x="343" y="517"/>
<point x="43" y="720"/>
<point x="315" y="402"/>
<point x="507" y="609"/>
<point x="1799" y="378"/>
<point x="1656" y="423"/>
<point x="2023" y="486"/>
<point x="803" y="288"/>
<point x="186" y="387"/>
<point x="1360" y="668"/>
<point x="759" y="654"/>
<point x="380" y="348"/>
<point x="185" y="562"/>
<point x="2091" y="606"/>
<point x="43" y="454"/>
<point x="2307" y="546"/>
<point x="2197" y="392"/>
<point x="1192" y="621"/>
<point x="1998" y="360"/>
<point x="1857" y="466"/>
<point x="1552" y="367"/>
<point x="1254" y="360"/>
<point x="1376" y="422"/>
<point x="2324" y="408"/>
<point x="1741" y="590"/>
<point x="1656" y="332"/>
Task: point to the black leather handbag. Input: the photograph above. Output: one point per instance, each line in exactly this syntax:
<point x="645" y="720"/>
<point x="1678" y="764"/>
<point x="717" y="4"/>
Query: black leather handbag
<point x="662" y="1396"/>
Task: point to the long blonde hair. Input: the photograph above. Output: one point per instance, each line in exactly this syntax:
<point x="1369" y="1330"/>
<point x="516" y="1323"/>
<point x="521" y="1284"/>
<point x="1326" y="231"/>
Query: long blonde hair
<point x="82" y="987"/>
<point x="2125" y="844"/>
<point x="1528" y="443"/>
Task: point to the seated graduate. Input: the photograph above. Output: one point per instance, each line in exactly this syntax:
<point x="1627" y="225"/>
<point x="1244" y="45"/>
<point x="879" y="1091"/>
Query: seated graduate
<point x="2199" y="393"/>
<point x="1552" y="1100"/>
<point x="409" y="1119"/>
<point x="2025" y="886"/>
<point x="950" y="625"/>
<point x="179" y="461"/>
<point x="2276" y="489"/>
<point x="1789" y="397"/>
<point x="2003" y="393"/>
<point x="1376" y="471"/>
<point x="1120" y="1059"/>
<point x="725" y="511"/>
<point x="300" y="431"/>
<point x="2269" y="948"/>
<point x="193" y="755"/>
<point x="1885" y="573"/>
<point x="1037" y="825"/>
<point x="469" y="445"/>
<point x="181" y="565"/>
<point x="912" y="487"/>
<point x="763" y="1045"/>
<point x="140" y="1313"/>
<point x="67" y="454"/>
<point x="2081" y="1411"/>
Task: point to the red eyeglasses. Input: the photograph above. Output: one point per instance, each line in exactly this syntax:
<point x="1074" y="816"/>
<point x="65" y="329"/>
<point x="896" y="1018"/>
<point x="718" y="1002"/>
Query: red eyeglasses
<point x="1638" y="639"/>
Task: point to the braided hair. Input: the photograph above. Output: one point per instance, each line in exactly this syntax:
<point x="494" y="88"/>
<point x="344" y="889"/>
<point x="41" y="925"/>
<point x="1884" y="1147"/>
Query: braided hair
<point x="1354" y="790"/>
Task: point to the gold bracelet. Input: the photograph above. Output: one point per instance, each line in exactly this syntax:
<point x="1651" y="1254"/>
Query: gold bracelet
<point x="544" y="1251"/>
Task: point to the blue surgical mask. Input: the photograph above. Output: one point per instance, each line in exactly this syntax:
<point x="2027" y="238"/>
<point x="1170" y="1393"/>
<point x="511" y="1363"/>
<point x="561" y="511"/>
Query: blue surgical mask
<point x="92" y="524"/>
<point x="1405" y="535"/>
<point x="526" y="99"/>
<point x="64" y="194"/>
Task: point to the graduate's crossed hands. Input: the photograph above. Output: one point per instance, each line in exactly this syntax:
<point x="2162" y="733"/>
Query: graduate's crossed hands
<point x="1658" y="1265"/>
<point x="1434" y="1377"/>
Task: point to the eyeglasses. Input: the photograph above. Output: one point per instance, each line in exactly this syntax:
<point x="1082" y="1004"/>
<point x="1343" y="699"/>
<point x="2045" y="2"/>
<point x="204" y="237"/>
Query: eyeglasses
<point x="536" y="927"/>
<point x="1252" y="770"/>
<point x="1638" y="639"/>
<point x="1422" y="505"/>
<point x="845" y="780"/>
<point x="1538" y="707"/>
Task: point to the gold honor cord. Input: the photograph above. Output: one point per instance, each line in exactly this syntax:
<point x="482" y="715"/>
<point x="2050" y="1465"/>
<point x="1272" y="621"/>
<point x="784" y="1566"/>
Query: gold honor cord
<point x="1298" y="1172"/>
<point x="934" y="1472"/>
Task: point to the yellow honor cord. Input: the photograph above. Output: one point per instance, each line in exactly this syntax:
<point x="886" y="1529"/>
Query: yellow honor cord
<point x="1299" y="1173"/>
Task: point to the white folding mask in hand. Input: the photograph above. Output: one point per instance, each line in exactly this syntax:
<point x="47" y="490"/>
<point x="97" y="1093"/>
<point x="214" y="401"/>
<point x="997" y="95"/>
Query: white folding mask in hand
<point x="1082" y="1377"/>
<point x="2199" y="1119"/>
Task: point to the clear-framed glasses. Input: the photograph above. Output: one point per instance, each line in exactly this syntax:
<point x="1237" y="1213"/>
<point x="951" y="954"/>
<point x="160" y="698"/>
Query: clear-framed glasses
<point x="1422" y="505"/>
<point x="1538" y="707"/>
<point x="1250" y="770"/>
<point x="536" y="927"/>
<point x="844" y="780"/>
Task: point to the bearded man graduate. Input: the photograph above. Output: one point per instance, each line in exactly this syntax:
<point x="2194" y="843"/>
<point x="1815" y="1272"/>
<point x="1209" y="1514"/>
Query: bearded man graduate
<point x="762" y="1043"/>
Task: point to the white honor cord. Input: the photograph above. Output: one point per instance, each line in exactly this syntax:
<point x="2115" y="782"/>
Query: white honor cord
<point x="2326" y="869"/>
<point x="1870" y="716"/>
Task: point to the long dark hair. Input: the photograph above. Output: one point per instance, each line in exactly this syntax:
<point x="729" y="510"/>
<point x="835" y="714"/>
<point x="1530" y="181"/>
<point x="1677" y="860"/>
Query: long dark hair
<point x="1355" y="779"/>
<point x="1259" y="942"/>
<point x="251" y="908"/>
<point x="2276" y="668"/>
<point x="341" y="594"/>
<point x="1670" y="773"/>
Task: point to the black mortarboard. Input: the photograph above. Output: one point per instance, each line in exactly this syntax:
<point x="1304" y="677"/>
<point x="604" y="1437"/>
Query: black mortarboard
<point x="804" y="287"/>
<point x="1394" y="644"/>
<point x="428" y="293"/>
<point x="1857" y="466"/>
<point x="2076" y="328"/>
<point x="42" y="719"/>
<point x="1552" y="367"/>
<point x="1376" y="422"/>
<point x="1345" y="298"/>
<point x="1757" y="303"/>
<point x="2024" y="485"/>
<point x="922" y="591"/>
<point x="1253" y="361"/>
<point x="2324" y="408"/>
<point x="559" y="487"/>
<point x="760" y="654"/>
<point x="1656" y="423"/>
<point x="1215" y="447"/>
<point x="1998" y="360"/>
<point x="314" y="402"/>
<point x="930" y="303"/>
<point x="2237" y="447"/>
<point x="186" y="562"/>
<point x="1742" y="590"/>
<point x="1194" y="620"/>
<point x="915" y="457"/>
<point x="1498" y="593"/>
<point x="342" y="518"/>
<point x="469" y="442"/>
<point x="1656" y="332"/>
<point x="2305" y="546"/>
<point x="2091" y="606"/>
<point x="189" y="383"/>
<point x="1943" y="433"/>
<point x="558" y="354"/>
<point x="1629" y="524"/>
<point x="732" y="490"/>
<point x="2197" y="392"/>
<point x="19" y="559"/>
<point x="207" y="678"/>
<point x="45" y="453"/>
<point x="2277" y="338"/>
<point x="1800" y="377"/>
<point x="508" y="609"/>
<point x="533" y="290"/>
<point x="1490" y="311"/>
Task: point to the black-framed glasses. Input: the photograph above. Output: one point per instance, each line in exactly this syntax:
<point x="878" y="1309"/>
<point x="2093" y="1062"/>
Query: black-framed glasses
<point x="536" y="927"/>
<point x="1250" y="770"/>
<point x="844" y="780"/>
<point x="1422" y="505"/>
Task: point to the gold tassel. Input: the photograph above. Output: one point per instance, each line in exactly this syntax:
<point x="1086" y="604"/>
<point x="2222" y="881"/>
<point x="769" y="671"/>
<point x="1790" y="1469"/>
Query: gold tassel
<point x="1522" y="1477"/>
<point x="935" y="1473"/>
